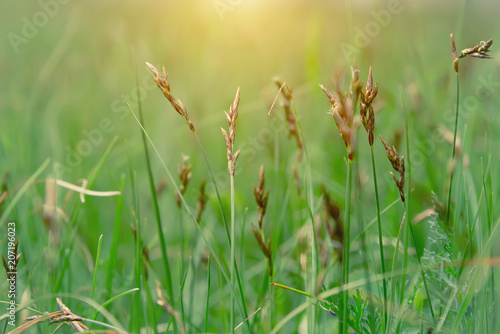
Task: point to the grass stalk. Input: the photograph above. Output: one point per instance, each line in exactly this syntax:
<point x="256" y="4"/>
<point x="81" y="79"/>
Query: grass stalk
<point x="116" y="240"/>
<point x="152" y="188"/>
<point x="479" y="51"/>
<point x="346" y="248"/>
<point x="393" y="270"/>
<point x="233" y="255"/>
<point x="399" y="166"/>
<point x="380" y="240"/>
<point x="150" y="310"/>
<point x="310" y="206"/>
<point x="219" y="200"/>
<point x="136" y="305"/>
<point x="218" y="261"/>
<point x="407" y="202"/>
<point x="96" y="265"/>
<point x="164" y="85"/>
<point x="452" y="173"/>
<point x="208" y="296"/>
<point x="308" y="295"/>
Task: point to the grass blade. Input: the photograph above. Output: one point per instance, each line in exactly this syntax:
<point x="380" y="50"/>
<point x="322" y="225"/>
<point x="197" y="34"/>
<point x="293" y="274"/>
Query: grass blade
<point x="116" y="241"/>
<point x="94" y="280"/>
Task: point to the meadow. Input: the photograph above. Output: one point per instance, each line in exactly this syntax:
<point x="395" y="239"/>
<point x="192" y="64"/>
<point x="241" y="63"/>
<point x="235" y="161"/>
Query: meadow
<point x="217" y="166"/>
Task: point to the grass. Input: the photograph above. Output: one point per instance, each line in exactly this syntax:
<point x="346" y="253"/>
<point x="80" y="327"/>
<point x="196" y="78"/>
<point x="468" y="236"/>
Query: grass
<point x="328" y="243"/>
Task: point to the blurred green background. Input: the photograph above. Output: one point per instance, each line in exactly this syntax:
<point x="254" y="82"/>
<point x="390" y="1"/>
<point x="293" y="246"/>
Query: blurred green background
<point x="69" y="68"/>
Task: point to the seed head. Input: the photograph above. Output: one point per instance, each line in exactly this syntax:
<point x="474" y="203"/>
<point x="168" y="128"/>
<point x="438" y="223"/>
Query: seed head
<point x="336" y="233"/>
<point x="202" y="201"/>
<point x="184" y="172"/>
<point x="229" y="138"/>
<point x="261" y="197"/>
<point x="290" y="115"/>
<point x="164" y="85"/>
<point x="398" y="163"/>
<point x="343" y="109"/>
<point x="479" y="51"/>
<point x="366" y="106"/>
<point x="342" y="118"/>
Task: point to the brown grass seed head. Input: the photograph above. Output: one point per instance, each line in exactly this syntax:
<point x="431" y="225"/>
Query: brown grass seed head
<point x="229" y="138"/>
<point x="343" y="109"/>
<point x="366" y="106"/>
<point x="398" y="164"/>
<point x="332" y="209"/>
<point x="264" y="247"/>
<point x="184" y="172"/>
<point x="11" y="269"/>
<point x="337" y="110"/>
<point x="202" y="200"/>
<point x="479" y="51"/>
<point x="356" y="85"/>
<point x="260" y="197"/>
<point x="290" y="116"/>
<point x="164" y="85"/>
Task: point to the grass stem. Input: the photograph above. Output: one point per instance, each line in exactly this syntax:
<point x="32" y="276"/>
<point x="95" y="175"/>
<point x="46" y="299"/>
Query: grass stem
<point x="152" y="188"/>
<point x="380" y="240"/>
<point x="96" y="265"/>
<point x="448" y="206"/>
<point x="233" y="255"/>
<point x="407" y="203"/>
<point x="208" y="295"/>
<point x="346" y="248"/>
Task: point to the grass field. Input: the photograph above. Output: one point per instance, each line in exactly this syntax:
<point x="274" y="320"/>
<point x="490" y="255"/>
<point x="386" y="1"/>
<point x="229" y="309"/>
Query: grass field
<point x="102" y="179"/>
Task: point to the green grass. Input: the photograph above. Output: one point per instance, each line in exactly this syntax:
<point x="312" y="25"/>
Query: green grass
<point x="75" y="86"/>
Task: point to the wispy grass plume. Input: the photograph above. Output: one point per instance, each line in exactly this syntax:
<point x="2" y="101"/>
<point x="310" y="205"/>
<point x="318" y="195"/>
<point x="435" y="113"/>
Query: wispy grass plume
<point x="231" y="165"/>
<point x="479" y="51"/>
